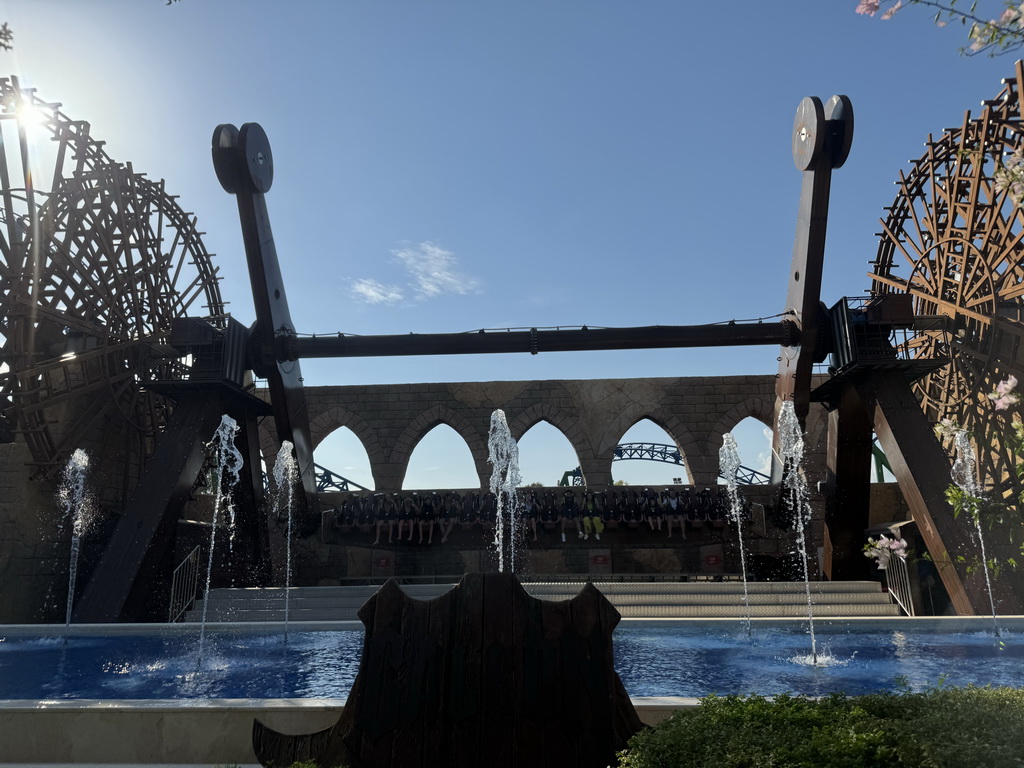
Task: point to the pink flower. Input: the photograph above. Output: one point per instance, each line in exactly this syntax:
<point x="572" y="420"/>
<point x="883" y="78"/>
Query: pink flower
<point x="1004" y="402"/>
<point x="947" y="428"/>
<point x="892" y="11"/>
<point x="1007" y="386"/>
<point x="868" y="7"/>
<point x="981" y="36"/>
<point x="1004" y="396"/>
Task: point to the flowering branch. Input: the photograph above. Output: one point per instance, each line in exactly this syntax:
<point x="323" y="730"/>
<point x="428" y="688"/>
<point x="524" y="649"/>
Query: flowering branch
<point x="964" y="495"/>
<point x="1003" y="395"/>
<point x="884" y="549"/>
<point x="992" y="36"/>
<point x="1009" y="178"/>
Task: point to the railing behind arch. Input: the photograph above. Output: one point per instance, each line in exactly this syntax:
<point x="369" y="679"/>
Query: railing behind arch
<point x="668" y="454"/>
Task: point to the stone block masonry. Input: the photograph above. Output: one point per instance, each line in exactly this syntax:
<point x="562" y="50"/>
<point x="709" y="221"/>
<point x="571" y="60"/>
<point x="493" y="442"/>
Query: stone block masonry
<point x="592" y="414"/>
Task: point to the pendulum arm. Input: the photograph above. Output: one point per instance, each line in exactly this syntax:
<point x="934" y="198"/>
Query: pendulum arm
<point x="245" y="168"/>
<point x="821" y="141"/>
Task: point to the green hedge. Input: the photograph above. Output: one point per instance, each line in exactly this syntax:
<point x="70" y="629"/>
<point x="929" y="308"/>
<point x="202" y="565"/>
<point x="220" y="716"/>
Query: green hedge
<point x="941" y="728"/>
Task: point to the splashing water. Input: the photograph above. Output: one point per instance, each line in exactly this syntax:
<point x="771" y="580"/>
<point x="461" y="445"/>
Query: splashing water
<point x="791" y="443"/>
<point x="729" y="463"/>
<point x="286" y="474"/>
<point x="72" y="497"/>
<point x="963" y="473"/>
<point x="503" y="455"/>
<point x="227" y="466"/>
<point x="820" y="659"/>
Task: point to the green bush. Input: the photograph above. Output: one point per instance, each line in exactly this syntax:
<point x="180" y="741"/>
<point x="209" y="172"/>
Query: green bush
<point x="940" y="728"/>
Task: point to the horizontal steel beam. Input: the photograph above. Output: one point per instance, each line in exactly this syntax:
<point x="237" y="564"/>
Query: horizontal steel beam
<point x="535" y="341"/>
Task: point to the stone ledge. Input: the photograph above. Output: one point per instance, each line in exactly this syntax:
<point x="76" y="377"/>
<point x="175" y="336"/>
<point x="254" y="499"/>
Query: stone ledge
<point x="159" y="732"/>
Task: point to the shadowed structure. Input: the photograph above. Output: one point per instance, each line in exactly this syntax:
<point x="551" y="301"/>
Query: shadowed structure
<point x="483" y="672"/>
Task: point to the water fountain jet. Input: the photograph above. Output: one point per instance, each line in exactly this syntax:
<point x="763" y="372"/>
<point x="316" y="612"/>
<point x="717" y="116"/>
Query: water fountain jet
<point x="227" y="469"/>
<point x="791" y="444"/>
<point x="964" y="474"/>
<point x="729" y="462"/>
<point x="286" y="474"/>
<point x="72" y="497"/>
<point x="503" y="455"/>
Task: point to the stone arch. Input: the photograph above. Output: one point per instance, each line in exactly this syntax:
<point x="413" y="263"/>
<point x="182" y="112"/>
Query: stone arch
<point x="426" y="421"/>
<point x="570" y="425"/>
<point x="755" y="407"/>
<point x="567" y="424"/>
<point x="677" y="429"/>
<point x="337" y="416"/>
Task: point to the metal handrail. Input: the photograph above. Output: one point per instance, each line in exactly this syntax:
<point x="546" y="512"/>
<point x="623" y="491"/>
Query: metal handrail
<point x="184" y="585"/>
<point x="897" y="580"/>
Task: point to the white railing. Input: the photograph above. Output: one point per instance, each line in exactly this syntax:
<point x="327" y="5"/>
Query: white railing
<point x="897" y="579"/>
<point x="184" y="585"/>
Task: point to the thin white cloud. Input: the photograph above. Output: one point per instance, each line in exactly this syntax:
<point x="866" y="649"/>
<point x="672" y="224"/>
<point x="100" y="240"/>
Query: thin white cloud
<point x="434" y="271"/>
<point x="374" y="292"/>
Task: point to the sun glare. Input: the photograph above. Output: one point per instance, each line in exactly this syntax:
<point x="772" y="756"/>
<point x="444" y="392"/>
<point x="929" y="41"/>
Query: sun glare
<point x="31" y="115"/>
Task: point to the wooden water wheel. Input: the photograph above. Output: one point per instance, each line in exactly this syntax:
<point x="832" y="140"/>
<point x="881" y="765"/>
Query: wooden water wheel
<point x="97" y="261"/>
<point x="954" y="240"/>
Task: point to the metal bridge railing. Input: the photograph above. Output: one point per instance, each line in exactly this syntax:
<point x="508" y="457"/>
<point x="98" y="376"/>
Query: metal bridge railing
<point x="326" y="480"/>
<point x="184" y="585"/>
<point x="668" y="454"/>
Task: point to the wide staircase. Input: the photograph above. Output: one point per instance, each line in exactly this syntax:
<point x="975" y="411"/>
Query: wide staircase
<point x="633" y="599"/>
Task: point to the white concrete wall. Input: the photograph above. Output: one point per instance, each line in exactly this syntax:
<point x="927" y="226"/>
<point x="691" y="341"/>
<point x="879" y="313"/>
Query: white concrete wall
<point x="205" y="732"/>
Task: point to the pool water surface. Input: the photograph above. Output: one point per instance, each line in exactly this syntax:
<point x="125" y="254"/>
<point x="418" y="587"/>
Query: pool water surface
<point x="683" y="659"/>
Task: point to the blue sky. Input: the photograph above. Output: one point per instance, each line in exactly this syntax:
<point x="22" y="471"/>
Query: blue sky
<point x="447" y="166"/>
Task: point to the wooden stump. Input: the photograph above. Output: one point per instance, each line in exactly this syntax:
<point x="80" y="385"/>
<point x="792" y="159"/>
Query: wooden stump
<point x="482" y="675"/>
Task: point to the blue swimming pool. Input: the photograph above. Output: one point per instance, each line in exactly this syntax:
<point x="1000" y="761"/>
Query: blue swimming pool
<point x="676" y="659"/>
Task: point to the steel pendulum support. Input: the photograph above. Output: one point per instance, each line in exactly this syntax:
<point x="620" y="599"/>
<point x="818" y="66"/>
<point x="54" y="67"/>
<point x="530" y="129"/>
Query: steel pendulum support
<point x="822" y="136"/>
<point x="245" y="168"/>
<point x="848" y="487"/>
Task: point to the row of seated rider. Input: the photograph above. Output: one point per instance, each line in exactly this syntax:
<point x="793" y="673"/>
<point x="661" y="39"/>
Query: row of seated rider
<point x="593" y="511"/>
<point x="587" y="512"/>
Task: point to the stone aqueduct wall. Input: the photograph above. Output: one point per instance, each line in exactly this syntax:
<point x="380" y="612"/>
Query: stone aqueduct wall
<point x="593" y="414"/>
<point x="391" y="419"/>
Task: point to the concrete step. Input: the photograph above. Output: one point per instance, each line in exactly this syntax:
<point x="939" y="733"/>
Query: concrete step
<point x="734" y="598"/>
<point x="669" y="611"/>
<point x="543" y="589"/>
<point x="758" y="611"/>
<point x="698" y="587"/>
<point x="328" y="602"/>
<point x="631" y="599"/>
